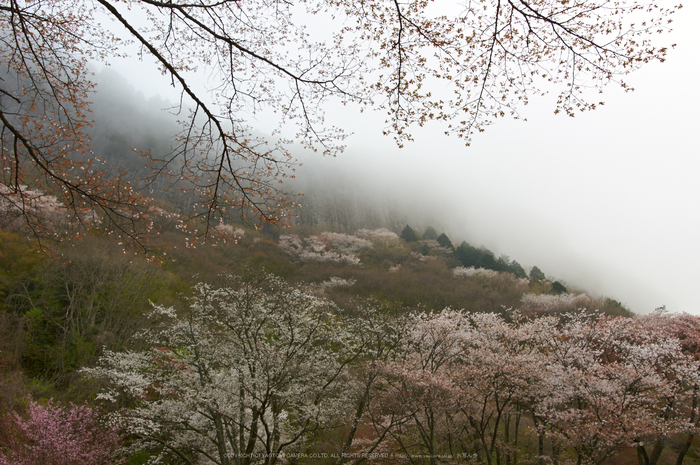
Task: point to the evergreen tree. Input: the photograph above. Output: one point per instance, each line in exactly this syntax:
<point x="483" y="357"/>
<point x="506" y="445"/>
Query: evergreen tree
<point x="468" y="256"/>
<point x="558" y="288"/>
<point x="445" y="241"/>
<point x="503" y="263"/>
<point x="488" y="259"/>
<point x="536" y="273"/>
<point x="517" y="269"/>
<point x="430" y="233"/>
<point x="408" y="234"/>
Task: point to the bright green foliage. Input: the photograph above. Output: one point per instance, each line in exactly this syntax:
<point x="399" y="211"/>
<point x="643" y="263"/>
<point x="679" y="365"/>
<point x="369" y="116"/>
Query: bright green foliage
<point x="21" y="263"/>
<point x="94" y="296"/>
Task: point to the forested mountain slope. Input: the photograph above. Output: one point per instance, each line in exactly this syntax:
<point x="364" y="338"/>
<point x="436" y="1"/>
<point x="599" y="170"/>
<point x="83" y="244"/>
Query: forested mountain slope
<point x="359" y="333"/>
<point x="355" y="347"/>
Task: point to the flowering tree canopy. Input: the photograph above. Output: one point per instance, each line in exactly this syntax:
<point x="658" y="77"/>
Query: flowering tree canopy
<point x="491" y="56"/>
<point x="51" y="435"/>
<point x="261" y="372"/>
<point x="243" y="375"/>
<point x="587" y="386"/>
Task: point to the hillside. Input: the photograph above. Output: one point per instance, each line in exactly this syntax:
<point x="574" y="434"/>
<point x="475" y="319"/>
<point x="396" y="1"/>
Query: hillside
<point x="88" y="294"/>
<point x="385" y="332"/>
<point x="360" y="332"/>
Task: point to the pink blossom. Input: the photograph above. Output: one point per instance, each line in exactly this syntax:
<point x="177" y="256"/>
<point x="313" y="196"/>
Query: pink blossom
<point x="51" y="435"/>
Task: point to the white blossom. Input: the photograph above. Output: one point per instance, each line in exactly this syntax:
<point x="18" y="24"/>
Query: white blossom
<point x="334" y="282"/>
<point x="252" y="367"/>
<point x="462" y="272"/>
<point x="556" y="303"/>
<point x="381" y="234"/>
<point x="324" y="248"/>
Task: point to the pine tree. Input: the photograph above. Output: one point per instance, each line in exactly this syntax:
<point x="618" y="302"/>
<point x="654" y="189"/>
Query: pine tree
<point x="408" y="234"/>
<point x="430" y="233"/>
<point x="536" y="273"/>
<point x="445" y="241"/>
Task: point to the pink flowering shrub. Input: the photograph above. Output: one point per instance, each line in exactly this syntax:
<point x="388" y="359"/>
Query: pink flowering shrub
<point x="51" y="435"/>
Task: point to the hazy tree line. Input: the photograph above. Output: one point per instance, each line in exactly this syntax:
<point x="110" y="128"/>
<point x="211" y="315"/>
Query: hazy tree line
<point x="473" y="257"/>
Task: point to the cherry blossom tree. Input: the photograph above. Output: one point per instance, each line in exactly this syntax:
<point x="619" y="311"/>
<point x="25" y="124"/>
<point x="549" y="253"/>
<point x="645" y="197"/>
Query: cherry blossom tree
<point x="501" y="367"/>
<point x="381" y="337"/>
<point x="456" y="385"/>
<point x="52" y="435"/>
<point x="244" y="375"/>
<point x="327" y="247"/>
<point x="591" y="386"/>
<point x="677" y="410"/>
<point x="492" y="55"/>
<point x="611" y="383"/>
<point x="422" y="388"/>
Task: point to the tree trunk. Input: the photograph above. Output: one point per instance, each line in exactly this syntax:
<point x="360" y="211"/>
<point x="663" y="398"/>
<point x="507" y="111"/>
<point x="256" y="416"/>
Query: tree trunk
<point x="642" y="456"/>
<point x="506" y="436"/>
<point x="656" y="452"/>
<point x="515" y="440"/>
<point x="555" y="453"/>
<point x="482" y="439"/>
<point x="689" y="438"/>
<point x="540" y="440"/>
<point x="220" y="438"/>
<point x="684" y="448"/>
<point x="353" y="428"/>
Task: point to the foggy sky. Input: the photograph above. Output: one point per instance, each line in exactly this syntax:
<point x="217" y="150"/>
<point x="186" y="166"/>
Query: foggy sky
<point x="607" y="201"/>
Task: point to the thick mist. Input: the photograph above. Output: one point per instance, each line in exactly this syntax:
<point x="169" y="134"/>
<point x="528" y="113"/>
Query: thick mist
<point x="468" y="203"/>
<point x="606" y="201"/>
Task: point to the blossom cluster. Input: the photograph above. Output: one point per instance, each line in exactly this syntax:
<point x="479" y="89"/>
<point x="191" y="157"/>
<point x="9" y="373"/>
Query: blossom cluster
<point x="324" y="248"/>
<point x="230" y="230"/>
<point x="381" y="234"/>
<point x="463" y="272"/>
<point x="22" y="202"/>
<point x="590" y="385"/>
<point x="334" y="282"/>
<point x="258" y="363"/>
<point x="558" y="303"/>
<point x="52" y="435"/>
